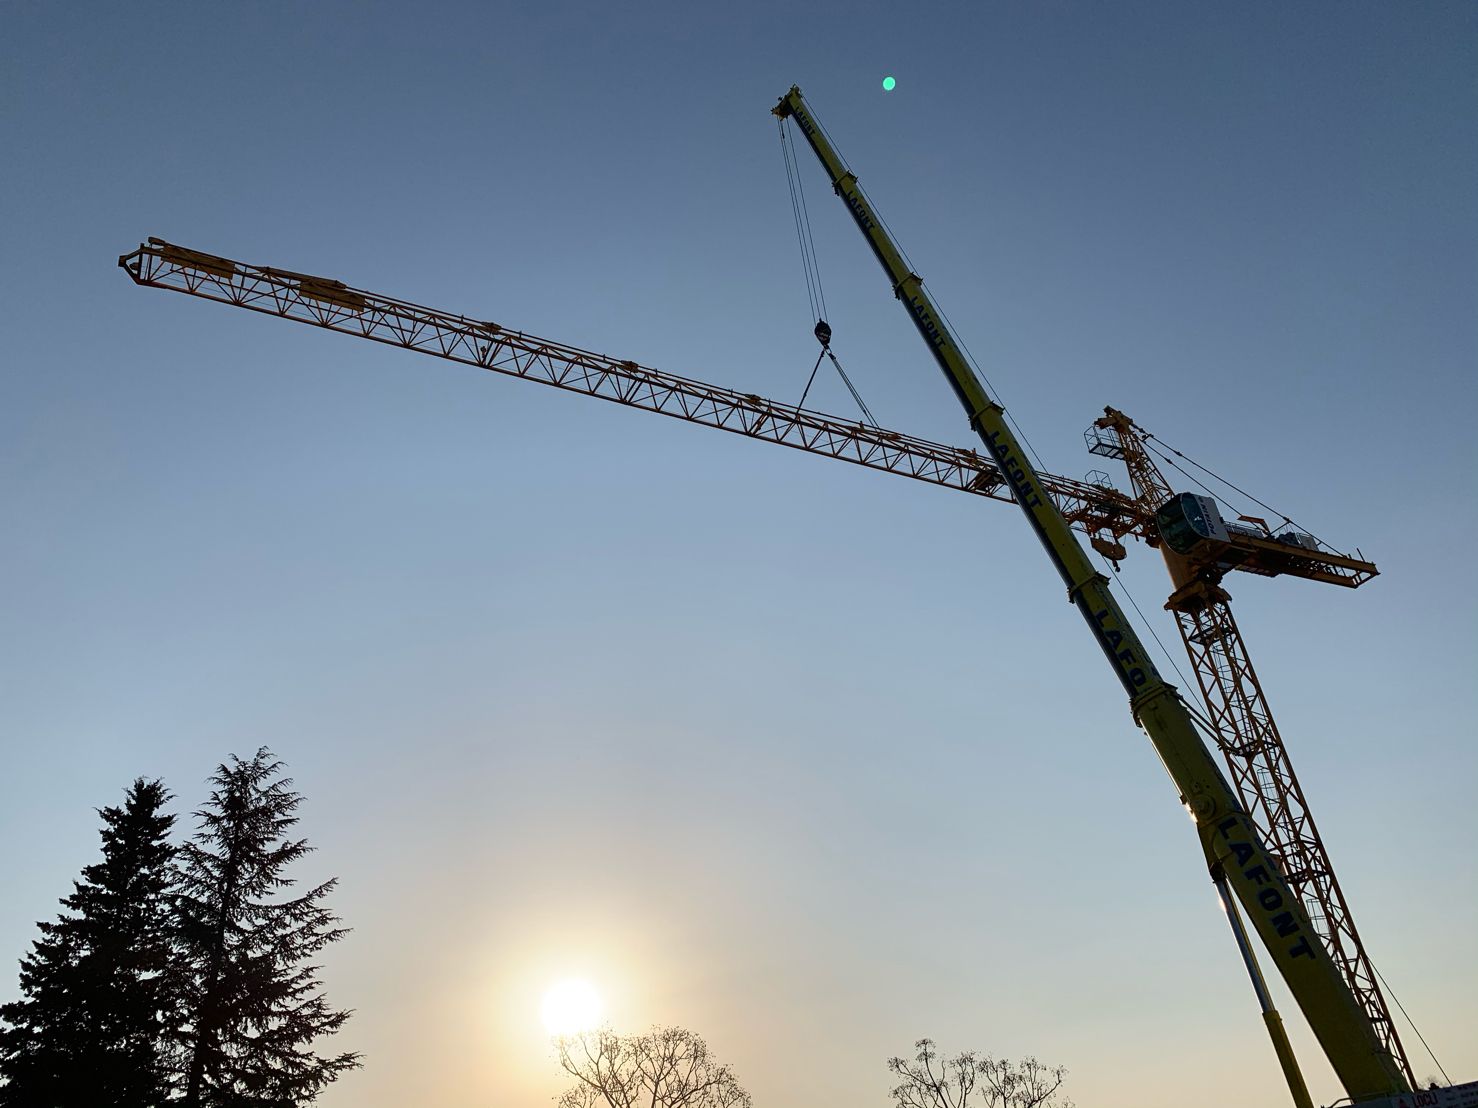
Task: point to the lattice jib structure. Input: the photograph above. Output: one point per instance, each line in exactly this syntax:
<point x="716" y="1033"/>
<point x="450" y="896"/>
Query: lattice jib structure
<point x="335" y="306"/>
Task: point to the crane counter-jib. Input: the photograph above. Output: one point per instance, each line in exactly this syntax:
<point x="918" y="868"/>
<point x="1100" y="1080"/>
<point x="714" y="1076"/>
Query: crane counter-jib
<point x="1228" y="837"/>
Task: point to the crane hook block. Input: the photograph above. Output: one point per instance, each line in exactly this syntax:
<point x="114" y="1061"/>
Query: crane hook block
<point x="823" y="332"/>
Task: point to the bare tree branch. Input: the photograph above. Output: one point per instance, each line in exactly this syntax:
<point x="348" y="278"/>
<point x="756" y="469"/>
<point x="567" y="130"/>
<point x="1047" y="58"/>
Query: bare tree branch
<point x="970" y="1080"/>
<point x="667" y="1067"/>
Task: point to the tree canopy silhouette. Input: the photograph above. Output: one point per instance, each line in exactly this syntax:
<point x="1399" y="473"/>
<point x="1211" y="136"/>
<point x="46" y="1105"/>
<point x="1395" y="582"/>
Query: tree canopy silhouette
<point x="87" y="1032"/>
<point x="250" y="1001"/>
<point x="667" y="1067"/>
<point x="972" y="1080"/>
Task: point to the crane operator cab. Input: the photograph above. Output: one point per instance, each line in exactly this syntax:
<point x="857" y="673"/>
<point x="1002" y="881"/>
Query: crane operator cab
<point x="1189" y="522"/>
<point x="1192" y="526"/>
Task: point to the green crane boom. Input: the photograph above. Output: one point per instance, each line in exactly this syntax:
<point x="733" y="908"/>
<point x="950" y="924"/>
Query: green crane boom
<point x="1227" y="836"/>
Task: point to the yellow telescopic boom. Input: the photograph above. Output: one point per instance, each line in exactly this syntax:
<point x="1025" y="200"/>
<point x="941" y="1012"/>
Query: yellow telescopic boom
<point x="1228" y="838"/>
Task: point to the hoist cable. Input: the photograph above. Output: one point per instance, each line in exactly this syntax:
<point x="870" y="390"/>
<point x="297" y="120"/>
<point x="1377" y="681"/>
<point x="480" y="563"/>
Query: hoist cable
<point x="897" y="244"/>
<point x="1217" y="477"/>
<point x="1189" y="476"/>
<point x="1160" y="449"/>
<point x="791" y="172"/>
<point x="857" y="396"/>
<point x="806" y="216"/>
<point x="1148" y="626"/>
<point x="811" y="379"/>
<point x="1409" y="1020"/>
<point x="1209" y="730"/>
<point x="812" y="266"/>
<point x="950" y="324"/>
<point x="1005" y="412"/>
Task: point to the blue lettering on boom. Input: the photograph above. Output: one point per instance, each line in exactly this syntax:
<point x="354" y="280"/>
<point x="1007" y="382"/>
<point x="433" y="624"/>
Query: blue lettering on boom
<point x="859" y="209"/>
<point x="1269" y="899"/>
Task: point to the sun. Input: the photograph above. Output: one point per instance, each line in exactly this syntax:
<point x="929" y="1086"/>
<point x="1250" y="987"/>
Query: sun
<point x="571" y="1007"/>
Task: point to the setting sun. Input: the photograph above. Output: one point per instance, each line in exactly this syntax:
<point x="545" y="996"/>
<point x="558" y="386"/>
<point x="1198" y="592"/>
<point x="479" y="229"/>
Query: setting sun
<point x="570" y="1007"/>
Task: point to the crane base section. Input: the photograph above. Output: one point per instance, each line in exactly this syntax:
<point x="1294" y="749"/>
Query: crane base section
<point x="1454" y="1096"/>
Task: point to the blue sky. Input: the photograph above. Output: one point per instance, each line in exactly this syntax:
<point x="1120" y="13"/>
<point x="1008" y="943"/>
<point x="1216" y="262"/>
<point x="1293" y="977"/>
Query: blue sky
<point x="808" y="759"/>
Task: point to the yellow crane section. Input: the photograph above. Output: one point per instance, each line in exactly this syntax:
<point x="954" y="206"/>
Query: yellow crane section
<point x="1237" y="707"/>
<point x="1230" y="841"/>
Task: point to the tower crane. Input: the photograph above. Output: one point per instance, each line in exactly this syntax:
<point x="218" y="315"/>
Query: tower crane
<point x="1256" y="834"/>
<point x="1188" y="527"/>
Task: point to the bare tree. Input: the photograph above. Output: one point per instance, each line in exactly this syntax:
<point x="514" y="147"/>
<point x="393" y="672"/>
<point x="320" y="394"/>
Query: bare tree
<point x="667" y="1067"/>
<point x="972" y="1080"/>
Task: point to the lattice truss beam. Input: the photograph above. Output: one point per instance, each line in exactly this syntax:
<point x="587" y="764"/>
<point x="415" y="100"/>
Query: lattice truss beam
<point x="336" y="307"/>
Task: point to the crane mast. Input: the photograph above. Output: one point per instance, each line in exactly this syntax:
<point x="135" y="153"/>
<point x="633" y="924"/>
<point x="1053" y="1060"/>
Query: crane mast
<point x="1248" y="735"/>
<point x="1229" y="839"/>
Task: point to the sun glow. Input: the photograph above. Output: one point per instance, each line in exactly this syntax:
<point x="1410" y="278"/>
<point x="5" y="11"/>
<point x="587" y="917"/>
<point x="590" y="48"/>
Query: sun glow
<point x="570" y="1007"/>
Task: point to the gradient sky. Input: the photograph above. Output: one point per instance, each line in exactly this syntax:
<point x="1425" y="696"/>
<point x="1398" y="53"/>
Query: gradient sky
<point x="809" y="759"/>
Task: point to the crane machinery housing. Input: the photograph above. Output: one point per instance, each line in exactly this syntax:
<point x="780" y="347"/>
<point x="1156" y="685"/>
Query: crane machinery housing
<point x="1255" y="830"/>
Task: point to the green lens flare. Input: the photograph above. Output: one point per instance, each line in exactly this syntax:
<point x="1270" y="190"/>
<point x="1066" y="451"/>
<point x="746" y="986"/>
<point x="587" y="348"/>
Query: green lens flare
<point x="888" y="84"/>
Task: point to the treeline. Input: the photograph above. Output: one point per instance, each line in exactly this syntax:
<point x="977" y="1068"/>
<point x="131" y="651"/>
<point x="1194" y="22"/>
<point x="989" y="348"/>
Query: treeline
<point x="181" y="975"/>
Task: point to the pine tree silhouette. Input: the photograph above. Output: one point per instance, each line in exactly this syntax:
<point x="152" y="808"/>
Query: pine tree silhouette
<point x="251" y="1003"/>
<point x="96" y="1002"/>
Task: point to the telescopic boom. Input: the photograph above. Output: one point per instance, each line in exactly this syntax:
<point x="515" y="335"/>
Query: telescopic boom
<point x="1228" y="838"/>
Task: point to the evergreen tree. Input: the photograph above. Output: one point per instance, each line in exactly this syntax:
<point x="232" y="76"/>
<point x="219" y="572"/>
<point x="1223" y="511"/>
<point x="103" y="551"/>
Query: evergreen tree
<point x="251" y="1004"/>
<point x="88" y="1029"/>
